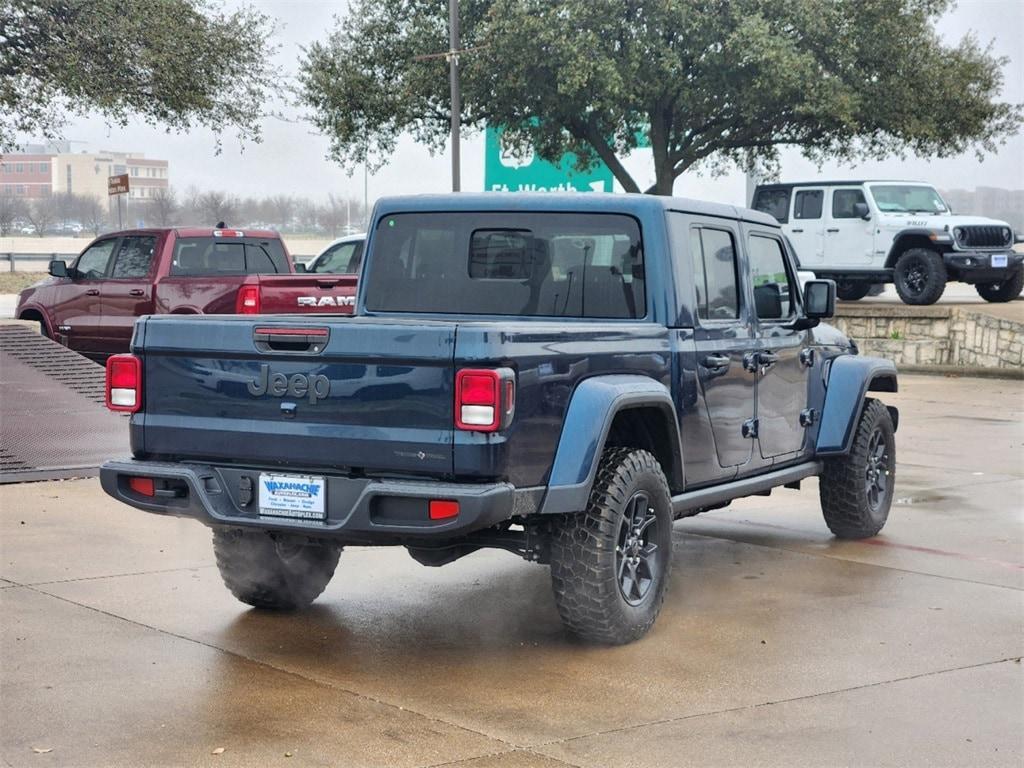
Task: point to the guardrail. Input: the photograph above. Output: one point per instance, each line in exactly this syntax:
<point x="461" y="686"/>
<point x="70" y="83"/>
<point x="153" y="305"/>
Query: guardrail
<point x="13" y="258"/>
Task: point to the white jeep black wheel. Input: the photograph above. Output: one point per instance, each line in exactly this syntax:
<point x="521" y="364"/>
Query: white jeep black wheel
<point x="276" y="571"/>
<point x="1003" y="290"/>
<point x="856" y="489"/>
<point x="610" y="565"/>
<point x="852" y="290"/>
<point x="920" y="276"/>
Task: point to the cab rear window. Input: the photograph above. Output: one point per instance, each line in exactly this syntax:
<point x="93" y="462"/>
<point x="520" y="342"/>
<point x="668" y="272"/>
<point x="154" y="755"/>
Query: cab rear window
<point x="218" y="256"/>
<point x="536" y="264"/>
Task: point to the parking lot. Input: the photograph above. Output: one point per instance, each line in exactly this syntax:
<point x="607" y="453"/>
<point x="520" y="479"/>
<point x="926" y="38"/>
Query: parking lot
<point x="778" y="645"/>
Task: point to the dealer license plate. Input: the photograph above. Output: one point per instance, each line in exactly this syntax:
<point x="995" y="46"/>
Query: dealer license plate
<point x="293" y="496"/>
<point x="999" y="260"/>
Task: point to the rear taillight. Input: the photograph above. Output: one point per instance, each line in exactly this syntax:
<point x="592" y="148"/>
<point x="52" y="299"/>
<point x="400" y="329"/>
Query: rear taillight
<point x="124" y="383"/>
<point x="248" y="300"/>
<point x="485" y="399"/>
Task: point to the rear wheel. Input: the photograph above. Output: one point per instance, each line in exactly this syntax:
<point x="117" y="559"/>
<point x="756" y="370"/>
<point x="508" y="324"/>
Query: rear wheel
<point x="856" y="489"/>
<point x="852" y="290"/>
<point x="275" y="571"/>
<point x="1002" y="290"/>
<point x="610" y="565"/>
<point x="920" y="276"/>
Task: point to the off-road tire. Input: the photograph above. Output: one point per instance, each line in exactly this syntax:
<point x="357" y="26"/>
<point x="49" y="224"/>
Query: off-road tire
<point x="275" y="571"/>
<point x="586" y="556"/>
<point x="1003" y="290"/>
<point x="844" y="483"/>
<point x="852" y="290"/>
<point x="920" y="276"/>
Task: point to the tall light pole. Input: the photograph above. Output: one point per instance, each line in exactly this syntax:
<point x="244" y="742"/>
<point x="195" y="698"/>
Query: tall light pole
<point x="453" y="67"/>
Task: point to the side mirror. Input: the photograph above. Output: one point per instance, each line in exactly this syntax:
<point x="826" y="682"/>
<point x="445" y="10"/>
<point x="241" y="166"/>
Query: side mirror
<point x="300" y="268"/>
<point x="819" y="299"/>
<point x="58" y="268"/>
<point x="862" y="210"/>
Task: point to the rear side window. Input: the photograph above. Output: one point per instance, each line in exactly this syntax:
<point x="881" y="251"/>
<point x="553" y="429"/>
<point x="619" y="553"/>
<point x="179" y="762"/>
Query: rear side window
<point x="216" y="256"/>
<point x="134" y="257"/>
<point x="773" y="288"/>
<point x="774" y="202"/>
<point x="535" y="264"/>
<point x="714" y="273"/>
<point x="807" y="204"/>
<point x="843" y="201"/>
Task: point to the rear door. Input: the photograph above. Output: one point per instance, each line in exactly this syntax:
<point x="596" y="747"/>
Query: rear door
<point x="128" y="292"/>
<point x="782" y="376"/>
<point x="723" y="336"/>
<point x="848" y="238"/>
<point x="807" y="227"/>
<point x="77" y="310"/>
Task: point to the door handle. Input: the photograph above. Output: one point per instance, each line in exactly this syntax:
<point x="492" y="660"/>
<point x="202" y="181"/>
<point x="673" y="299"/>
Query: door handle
<point x="797" y="230"/>
<point x="93" y="292"/>
<point x="832" y="230"/>
<point x="716" y="362"/>
<point x="136" y="292"/>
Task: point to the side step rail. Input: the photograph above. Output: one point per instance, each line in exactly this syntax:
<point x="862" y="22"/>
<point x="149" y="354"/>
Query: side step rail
<point x="691" y="501"/>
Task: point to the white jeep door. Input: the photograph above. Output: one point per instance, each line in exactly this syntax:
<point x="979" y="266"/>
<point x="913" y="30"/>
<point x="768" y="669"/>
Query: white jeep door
<point x="848" y="238"/>
<point x="806" y="227"/>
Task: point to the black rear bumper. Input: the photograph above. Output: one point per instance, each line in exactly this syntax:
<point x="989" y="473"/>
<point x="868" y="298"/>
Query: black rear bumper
<point x="359" y="510"/>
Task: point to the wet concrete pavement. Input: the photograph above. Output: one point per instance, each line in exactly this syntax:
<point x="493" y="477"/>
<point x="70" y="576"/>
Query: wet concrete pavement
<point x="778" y="645"/>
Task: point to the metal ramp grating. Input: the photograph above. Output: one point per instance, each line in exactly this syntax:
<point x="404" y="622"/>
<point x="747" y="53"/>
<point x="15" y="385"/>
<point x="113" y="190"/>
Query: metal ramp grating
<point x="53" y="421"/>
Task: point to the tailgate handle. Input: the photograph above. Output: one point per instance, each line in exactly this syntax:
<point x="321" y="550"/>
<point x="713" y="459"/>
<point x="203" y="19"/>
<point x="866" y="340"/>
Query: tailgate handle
<point x="297" y="341"/>
<point x="327" y="283"/>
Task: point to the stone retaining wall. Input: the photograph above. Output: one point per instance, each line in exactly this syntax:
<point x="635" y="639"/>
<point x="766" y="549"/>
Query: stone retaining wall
<point x="950" y="336"/>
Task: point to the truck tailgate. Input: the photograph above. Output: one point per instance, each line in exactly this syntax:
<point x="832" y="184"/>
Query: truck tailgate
<point x="305" y="293"/>
<point x="364" y="394"/>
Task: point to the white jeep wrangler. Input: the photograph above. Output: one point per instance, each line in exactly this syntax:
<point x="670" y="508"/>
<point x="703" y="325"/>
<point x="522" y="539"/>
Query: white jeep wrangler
<point x="863" y="232"/>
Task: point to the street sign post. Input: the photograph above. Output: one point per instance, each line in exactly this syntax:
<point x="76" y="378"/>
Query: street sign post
<point x="504" y="172"/>
<point x="117" y="186"/>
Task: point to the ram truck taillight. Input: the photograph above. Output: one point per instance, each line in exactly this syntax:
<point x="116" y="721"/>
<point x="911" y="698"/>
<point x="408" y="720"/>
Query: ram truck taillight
<point x="248" y="300"/>
<point x="485" y="399"/>
<point x="124" y="383"/>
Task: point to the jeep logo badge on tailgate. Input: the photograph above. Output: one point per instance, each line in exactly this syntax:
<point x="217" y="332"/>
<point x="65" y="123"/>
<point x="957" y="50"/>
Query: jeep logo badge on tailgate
<point x="298" y="385"/>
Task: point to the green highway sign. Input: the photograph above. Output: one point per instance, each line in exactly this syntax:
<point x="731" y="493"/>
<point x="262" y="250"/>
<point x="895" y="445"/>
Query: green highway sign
<point x="503" y="172"/>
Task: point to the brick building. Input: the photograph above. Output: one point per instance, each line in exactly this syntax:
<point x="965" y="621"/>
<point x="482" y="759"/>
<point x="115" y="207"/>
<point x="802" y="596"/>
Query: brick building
<point x="40" y="170"/>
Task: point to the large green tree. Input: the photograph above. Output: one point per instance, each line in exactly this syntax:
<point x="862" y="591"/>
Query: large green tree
<point x="173" y="63"/>
<point x="710" y="82"/>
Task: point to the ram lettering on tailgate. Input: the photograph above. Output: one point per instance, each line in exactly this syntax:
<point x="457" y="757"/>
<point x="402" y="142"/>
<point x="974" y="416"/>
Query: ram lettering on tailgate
<point x="327" y="301"/>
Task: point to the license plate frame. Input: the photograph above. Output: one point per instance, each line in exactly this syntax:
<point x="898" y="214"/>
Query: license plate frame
<point x="1000" y="260"/>
<point x="293" y="497"/>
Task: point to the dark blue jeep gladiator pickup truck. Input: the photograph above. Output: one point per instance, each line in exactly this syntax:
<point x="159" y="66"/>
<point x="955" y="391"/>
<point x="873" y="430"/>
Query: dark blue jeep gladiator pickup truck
<point x="557" y="376"/>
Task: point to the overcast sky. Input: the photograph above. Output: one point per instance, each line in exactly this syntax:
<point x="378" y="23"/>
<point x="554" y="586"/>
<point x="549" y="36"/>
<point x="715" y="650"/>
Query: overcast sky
<point x="292" y="158"/>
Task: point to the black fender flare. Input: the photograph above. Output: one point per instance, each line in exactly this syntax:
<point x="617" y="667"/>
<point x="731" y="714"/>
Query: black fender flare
<point x="588" y="420"/>
<point x="919" y="235"/>
<point x="850" y="378"/>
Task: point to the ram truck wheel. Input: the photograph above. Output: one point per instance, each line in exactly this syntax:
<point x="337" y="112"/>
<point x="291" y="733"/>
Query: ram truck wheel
<point x="610" y="564"/>
<point x="920" y="276"/>
<point x="856" y="489"/>
<point x="274" y="571"/>
<point x="1003" y="290"/>
<point x="852" y="290"/>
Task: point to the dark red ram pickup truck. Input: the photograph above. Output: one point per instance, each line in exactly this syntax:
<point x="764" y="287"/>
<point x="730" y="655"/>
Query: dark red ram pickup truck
<point x="91" y="306"/>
